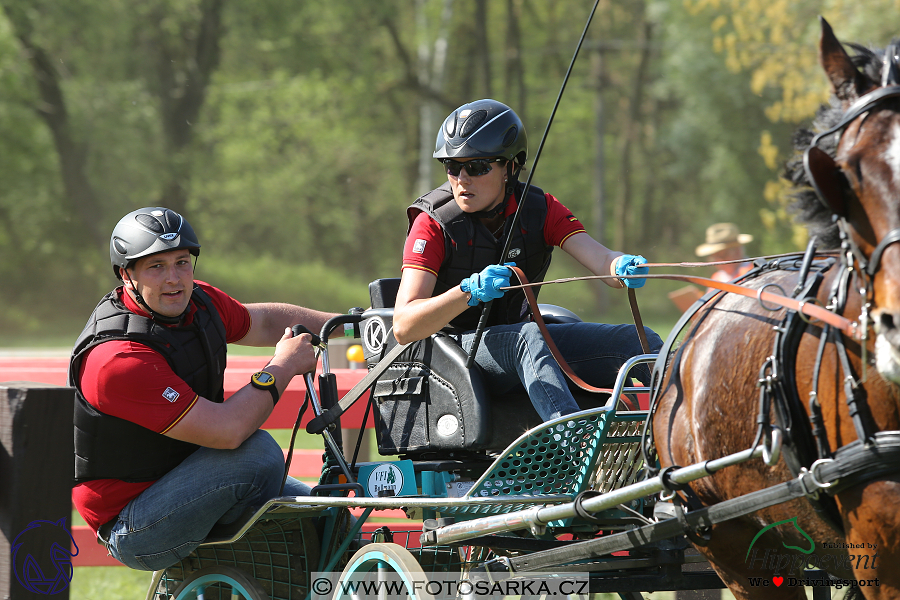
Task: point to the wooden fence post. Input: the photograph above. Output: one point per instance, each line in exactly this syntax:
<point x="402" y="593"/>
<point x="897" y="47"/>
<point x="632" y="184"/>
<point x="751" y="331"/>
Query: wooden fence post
<point x="36" y="471"/>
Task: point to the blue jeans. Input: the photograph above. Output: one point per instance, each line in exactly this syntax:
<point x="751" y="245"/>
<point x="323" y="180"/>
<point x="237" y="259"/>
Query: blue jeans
<point x="516" y="355"/>
<point x="174" y="515"/>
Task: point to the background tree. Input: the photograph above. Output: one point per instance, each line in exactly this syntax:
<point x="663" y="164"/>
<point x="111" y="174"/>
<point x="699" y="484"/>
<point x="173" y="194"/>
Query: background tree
<point x="295" y="134"/>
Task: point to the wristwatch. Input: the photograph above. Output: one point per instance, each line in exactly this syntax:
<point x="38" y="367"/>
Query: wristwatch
<point x="263" y="380"/>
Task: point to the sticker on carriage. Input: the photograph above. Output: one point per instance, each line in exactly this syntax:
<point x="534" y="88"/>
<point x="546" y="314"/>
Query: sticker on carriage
<point x="458" y="489"/>
<point x="395" y="478"/>
<point x="374" y="335"/>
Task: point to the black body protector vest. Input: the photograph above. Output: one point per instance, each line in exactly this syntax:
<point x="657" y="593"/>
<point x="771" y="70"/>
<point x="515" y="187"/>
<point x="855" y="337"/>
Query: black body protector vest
<point x="107" y="447"/>
<point x="470" y="247"/>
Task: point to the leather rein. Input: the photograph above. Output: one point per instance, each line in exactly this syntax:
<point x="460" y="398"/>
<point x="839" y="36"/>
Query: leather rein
<point x="805" y="307"/>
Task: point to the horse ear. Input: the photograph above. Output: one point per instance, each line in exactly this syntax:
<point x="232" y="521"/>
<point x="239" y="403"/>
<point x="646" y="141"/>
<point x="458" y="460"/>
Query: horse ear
<point x="847" y="82"/>
<point x="826" y="179"/>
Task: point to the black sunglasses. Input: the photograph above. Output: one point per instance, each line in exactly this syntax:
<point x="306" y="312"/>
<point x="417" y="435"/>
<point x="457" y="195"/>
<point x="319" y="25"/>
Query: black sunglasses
<point x="475" y="167"/>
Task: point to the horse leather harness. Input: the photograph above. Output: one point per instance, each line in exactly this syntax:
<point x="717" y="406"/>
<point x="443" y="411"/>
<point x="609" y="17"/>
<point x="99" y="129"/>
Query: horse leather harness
<point x="807" y="453"/>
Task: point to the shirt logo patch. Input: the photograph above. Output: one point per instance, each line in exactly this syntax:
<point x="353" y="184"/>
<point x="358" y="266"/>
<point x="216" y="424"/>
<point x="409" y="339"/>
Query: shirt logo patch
<point x="571" y="218"/>
<point x="514" y="252"/>
<point x="419" y="247"/>
<point x="170" y="394"/>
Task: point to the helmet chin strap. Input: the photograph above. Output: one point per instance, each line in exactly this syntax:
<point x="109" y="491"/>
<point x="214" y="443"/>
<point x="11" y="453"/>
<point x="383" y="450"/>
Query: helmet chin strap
<point x="153" y="314"/>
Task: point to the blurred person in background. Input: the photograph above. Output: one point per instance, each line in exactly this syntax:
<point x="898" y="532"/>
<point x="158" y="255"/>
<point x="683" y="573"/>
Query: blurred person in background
<point x="452" y="265"/>
<point x="725" y="242"/>
<point x="160" y="457"/>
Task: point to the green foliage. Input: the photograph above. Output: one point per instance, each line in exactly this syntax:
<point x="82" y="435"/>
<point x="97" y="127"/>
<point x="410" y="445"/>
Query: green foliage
<point x="264" y="278"/>
<point x="304" y="151"/>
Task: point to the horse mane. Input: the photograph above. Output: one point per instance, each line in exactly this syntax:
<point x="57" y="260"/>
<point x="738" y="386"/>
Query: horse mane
<point x="806" y="207"/>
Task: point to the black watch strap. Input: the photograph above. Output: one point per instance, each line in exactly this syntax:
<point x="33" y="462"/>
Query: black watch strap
<point x="264" y="380"/>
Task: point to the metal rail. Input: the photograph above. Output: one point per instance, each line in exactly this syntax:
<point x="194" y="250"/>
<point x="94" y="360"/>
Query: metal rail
<point x="537" y="518"/>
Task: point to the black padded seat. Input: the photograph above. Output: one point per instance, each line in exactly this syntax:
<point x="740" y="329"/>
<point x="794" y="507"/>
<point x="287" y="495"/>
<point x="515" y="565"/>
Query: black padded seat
<point x="429" y="403"/>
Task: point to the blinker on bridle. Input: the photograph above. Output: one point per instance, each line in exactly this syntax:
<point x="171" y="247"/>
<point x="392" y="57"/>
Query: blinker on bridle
<point x="821" y="169"/>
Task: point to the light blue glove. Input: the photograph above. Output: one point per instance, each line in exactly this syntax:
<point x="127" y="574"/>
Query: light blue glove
<point x="485" y="286"/>
<point x="630" y="264"/>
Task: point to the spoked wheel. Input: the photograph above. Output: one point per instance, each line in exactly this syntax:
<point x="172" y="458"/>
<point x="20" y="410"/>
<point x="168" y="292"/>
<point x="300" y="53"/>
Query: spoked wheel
<point x="382" y="571"/>
<point x="220" y="583"/>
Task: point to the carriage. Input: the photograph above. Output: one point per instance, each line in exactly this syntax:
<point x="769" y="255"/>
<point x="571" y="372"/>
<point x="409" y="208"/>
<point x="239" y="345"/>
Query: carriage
<point x="786" y="473"/>
<point x="464" y="459"/>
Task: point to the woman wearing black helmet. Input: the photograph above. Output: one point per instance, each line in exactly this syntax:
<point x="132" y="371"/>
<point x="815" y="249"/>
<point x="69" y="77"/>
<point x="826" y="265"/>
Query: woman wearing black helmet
<point x="160" y="458"/>
<point x="452" y="264"/>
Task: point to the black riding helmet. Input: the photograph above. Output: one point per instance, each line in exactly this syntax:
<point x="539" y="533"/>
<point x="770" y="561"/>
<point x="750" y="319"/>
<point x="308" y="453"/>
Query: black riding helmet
<point x="485" y="129"/>
<point x="482" y="129"/>
<point x="147" y="231"/>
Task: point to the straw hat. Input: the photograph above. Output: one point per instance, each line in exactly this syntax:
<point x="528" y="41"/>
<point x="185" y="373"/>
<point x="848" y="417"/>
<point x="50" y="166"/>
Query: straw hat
<point x="721" y="236"/>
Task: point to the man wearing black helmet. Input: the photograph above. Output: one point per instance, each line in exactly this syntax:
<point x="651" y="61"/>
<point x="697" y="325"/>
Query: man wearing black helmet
<point x="452" y="264"/>
<point x="160" y="458"/>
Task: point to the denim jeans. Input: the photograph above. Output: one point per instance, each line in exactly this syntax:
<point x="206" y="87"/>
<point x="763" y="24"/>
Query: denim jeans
<point x="174" y="515"/>
<point x="516" y="355"/>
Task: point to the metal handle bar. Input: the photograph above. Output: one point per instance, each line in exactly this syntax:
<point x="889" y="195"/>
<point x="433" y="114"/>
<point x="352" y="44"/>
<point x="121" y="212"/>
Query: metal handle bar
<point x="327" y="329"/>
<point x="329" y="439"/>
<point x="619" y="387"/>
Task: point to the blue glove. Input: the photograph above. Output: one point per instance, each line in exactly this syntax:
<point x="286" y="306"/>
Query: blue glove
<point x="485" y="286"/>
<point x="629" y="264"/>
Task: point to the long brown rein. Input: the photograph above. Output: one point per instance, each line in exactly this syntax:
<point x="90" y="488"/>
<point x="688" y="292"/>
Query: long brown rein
<point x="551" y="345"/>
<point x="805" y="307"/>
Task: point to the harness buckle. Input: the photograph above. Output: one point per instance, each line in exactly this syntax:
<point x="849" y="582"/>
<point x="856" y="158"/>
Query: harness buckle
<point x="801" y="477"/>
<point x="815" y="477"/>
<point x="759" y="299"/>
<point x="808" y="300"/>
<point x="771" y="451"/>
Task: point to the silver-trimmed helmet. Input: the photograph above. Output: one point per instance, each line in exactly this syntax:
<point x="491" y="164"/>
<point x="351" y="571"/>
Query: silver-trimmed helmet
<point x="147" y="231"/>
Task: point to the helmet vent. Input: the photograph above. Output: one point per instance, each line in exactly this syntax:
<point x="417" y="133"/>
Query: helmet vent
<point x="511" y="134"/>
<point x="472" y="123"/>
<point x="120" y="248"/>
<point x="173" y="220"/>
<point x="149" y="222"/>
<point x="451" y="125"/>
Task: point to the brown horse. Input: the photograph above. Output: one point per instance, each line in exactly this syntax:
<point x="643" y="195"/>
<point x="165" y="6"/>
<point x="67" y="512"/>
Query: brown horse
<point x="709" y="396"/>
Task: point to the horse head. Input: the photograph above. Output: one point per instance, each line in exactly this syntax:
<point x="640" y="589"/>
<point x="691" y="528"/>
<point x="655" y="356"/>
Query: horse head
<point x="860" y="184"/>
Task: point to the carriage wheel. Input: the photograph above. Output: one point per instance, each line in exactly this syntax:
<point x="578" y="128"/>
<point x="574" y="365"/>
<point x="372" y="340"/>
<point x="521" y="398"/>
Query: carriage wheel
<point x="228" y="582"/>
<point x="390" y="564"/>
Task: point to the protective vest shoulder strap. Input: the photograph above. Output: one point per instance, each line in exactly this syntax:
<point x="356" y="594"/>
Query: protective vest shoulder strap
<point x="470" y="247"/>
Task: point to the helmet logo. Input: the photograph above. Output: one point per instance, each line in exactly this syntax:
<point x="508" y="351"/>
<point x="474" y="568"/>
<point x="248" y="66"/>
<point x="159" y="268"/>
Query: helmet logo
<point x="514" y="252"/>
<point x="169" y="236"/>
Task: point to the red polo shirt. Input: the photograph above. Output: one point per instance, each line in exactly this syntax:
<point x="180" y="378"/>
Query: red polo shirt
<point x="133" y="382"/>
<point x="424" y="248"/>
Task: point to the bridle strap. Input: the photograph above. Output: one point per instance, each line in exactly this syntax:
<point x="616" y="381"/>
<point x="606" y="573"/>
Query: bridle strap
<point x="863" y="104"/>
<point x="874" y="260"/>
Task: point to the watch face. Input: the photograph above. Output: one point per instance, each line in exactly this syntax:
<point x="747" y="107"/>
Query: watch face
<point x="264" y="378"/>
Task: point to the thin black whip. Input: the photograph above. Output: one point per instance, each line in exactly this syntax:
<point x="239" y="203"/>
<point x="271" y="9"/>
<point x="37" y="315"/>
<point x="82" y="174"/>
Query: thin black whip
<point x="486" y="311"/>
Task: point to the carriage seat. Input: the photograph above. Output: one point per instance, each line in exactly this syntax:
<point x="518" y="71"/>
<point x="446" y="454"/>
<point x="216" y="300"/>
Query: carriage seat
<point x="428" y="403"/>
